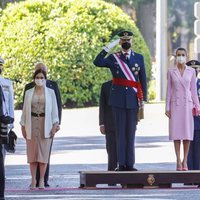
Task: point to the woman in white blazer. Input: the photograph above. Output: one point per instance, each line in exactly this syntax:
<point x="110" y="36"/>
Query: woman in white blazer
<point x="39" y="123"/>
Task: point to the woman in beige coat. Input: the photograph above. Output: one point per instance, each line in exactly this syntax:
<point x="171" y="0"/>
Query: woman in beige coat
<point x="39" y="123"/>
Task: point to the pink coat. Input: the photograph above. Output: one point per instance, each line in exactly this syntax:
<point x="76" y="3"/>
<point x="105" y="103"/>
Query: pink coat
<point x="180" y="99"/>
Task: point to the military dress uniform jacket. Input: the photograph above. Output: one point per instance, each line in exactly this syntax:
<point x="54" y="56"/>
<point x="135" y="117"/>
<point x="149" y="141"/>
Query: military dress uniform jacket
<point x="197" y="118"/>
<point x="8" y="105"/>
<point x="54" y="86"/>
<point x="121" y="96"/>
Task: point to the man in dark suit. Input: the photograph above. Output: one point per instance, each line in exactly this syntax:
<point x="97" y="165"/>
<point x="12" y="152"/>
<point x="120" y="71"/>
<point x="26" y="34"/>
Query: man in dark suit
<point x="53" y="85"/>
<point x="129" y="90"/>
<point x="107" y="126"/>
<point x="194" y="151"/>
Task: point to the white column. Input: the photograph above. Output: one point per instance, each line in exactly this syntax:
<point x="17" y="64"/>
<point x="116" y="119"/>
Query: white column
<point x="161" y="49"/>
<point x="197" y="30"/>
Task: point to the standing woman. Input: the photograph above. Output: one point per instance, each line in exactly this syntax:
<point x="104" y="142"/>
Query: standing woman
<point x="39" y="123"/>
<point x="181" y="98"/>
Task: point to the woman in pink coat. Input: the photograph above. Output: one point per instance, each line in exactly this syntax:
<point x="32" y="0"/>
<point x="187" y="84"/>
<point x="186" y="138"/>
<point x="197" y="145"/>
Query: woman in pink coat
<point x="180" y="100"/>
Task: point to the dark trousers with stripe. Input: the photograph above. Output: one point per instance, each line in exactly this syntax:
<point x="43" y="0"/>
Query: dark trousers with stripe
<point x="111" y="147"/>
<point x="125" y="122"/>
<point x="2" y="174"/>
<point x="194" y="152"/>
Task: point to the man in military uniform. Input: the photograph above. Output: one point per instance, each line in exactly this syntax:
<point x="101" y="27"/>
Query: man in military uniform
<point x="2" y="169"/>
<point x="129" y="90"/>
<point x="54" y="86"/>
<point x="194" y="151"/>
<point x="8" y="97"/>
<point x="2" y="174"/>
<point x="7" y="108"/>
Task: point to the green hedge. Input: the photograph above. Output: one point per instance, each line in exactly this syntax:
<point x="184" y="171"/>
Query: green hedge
<point x="66" y="35"/>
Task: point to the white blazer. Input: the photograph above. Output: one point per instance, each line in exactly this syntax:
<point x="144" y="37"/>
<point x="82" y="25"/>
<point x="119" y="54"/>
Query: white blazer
<point x="51" y="112"/>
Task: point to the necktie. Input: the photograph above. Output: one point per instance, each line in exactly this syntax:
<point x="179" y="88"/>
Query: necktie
<point x="126" y="56"/>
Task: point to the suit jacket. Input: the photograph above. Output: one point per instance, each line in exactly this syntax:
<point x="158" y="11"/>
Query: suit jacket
<point x="53" y="85"/>
<point x="105" y="110"/>
<point x="51" y="112"/>
<point x="121" y="96"/>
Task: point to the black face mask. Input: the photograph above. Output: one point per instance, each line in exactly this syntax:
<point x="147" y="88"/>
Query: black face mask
<point x="126" y="45"/>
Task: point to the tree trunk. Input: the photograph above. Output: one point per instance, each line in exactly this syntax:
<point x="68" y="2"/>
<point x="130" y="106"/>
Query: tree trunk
<point x="146" y="21"/>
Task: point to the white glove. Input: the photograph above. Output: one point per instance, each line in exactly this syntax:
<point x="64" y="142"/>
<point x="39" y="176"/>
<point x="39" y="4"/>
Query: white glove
<point x="108" y="47"/>
<point x="10" y="126"/>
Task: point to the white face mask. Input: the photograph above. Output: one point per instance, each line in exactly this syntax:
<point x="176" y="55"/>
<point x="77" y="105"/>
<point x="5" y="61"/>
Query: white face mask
<point x="181" y="59"/>
<point x="39" y="82"/>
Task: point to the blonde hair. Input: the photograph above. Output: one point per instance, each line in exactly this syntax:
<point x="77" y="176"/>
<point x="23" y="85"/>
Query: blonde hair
<point x="42" y="66"/>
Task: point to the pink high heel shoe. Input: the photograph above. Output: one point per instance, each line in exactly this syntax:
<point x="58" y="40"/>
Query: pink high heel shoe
<point x="184" y="168"/>
<point x="178" y="167"/>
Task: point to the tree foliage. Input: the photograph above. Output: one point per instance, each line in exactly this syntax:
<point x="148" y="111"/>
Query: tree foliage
<point x="181" y="20"/>
<point x="66" y="35"/>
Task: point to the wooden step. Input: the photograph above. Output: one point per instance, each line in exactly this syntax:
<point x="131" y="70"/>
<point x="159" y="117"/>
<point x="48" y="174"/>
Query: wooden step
<point x="138" y="179"/>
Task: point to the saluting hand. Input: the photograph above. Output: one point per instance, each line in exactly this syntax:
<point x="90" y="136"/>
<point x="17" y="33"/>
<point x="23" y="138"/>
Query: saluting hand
<point x="111" y="45"/>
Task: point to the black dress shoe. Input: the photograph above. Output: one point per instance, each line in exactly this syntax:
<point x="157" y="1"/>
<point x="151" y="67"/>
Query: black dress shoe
<point x="112" y="184"/>
<point x="121" y="168"/>
<point x="131" y="169"/>
<point x="46" y="184"/>
<point x="188" y="184"/>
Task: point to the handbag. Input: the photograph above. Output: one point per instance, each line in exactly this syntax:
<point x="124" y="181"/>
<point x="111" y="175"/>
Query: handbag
<point x="12" y="140"/>
<point x="195" y="112"/>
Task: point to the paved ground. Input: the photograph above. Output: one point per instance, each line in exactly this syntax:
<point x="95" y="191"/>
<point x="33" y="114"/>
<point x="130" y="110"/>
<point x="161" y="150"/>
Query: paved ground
<point x="79" y="146"/>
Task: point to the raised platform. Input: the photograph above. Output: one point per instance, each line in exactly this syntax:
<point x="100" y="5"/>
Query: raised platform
<point x="138" y="179"/>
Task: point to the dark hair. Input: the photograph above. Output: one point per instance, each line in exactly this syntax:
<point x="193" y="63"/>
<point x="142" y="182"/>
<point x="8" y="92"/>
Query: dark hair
<point x="181" y="49"/>
<point x="40" y="71"/>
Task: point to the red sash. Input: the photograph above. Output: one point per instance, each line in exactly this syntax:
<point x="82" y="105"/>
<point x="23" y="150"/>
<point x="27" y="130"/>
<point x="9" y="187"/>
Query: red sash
<point x="128" y="83"/>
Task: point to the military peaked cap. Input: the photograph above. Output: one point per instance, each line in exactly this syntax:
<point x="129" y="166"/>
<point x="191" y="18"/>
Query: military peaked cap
<point x="125" y="34"/>
<point x="193" y="63"/>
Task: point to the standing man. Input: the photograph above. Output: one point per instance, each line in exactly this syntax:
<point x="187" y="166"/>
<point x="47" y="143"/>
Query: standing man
<point x="54" y="86"/>
<point x="107" y="127"/>
<point x="6" y="108"/>
<point x="8" y="100"/>
<point x="2" y="173"/>
<point x="129" y="89"/>
<point x="2" y="169"/>
<point x="193" y="161"/>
